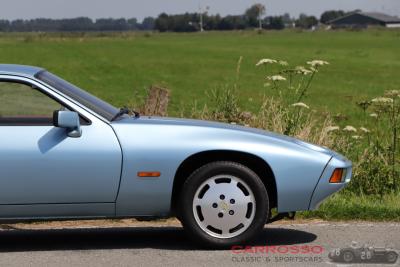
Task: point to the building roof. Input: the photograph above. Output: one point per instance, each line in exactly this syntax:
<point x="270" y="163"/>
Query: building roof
<point x="19" y="70"/>
<point x="374" y="15"/>
<point x="380" y="16"/>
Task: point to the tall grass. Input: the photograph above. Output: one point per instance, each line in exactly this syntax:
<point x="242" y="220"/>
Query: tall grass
<point x="372" y="146"/>
<point x="346" y="206"/>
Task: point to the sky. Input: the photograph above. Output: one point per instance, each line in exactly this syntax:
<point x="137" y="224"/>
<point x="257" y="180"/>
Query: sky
<point x="26" y="9"/>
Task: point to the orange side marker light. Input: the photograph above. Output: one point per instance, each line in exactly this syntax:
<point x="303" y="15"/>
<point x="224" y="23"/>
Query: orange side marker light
<point x="148" y="174"/>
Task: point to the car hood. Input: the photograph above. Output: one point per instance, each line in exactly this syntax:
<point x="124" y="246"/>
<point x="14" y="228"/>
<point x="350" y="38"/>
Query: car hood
<point x="226" y="126"/>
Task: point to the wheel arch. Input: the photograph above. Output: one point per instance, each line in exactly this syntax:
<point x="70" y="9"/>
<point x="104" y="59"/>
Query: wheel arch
<point x="195" y="161"/>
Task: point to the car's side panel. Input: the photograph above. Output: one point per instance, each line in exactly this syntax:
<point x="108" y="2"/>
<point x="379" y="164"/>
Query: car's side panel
<point x="148" y="146"/>
<point x="324" y="189"/>
<point x="40" y="164"/>
<point x="41" y="167"/>
<point x="57" y="211"/>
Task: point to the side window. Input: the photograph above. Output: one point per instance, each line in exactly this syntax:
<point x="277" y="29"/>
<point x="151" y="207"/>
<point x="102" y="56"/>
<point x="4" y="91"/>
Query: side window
<point x="20" y="104"/>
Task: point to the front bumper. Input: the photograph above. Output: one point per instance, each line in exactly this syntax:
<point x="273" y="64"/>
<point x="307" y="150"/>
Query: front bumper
<point x="324" y="189"/>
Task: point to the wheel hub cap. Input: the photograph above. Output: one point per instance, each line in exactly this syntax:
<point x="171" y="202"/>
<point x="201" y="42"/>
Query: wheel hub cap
<point x="224" y="206"/>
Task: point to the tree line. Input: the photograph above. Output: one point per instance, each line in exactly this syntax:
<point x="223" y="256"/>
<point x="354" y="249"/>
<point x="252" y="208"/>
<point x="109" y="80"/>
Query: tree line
<point x="76" y="24"/>
<point x="253" y="17"/>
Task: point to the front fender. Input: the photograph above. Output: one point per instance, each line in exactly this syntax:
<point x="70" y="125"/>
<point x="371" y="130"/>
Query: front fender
<point x="163" y="147"/>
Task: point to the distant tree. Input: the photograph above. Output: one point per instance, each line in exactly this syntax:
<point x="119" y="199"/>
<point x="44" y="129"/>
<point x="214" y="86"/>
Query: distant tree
<point x="287" y="20"/>
<point x="274" y="23"/>
<point x="4" y="25"/>
<point x="162" y="22"/>
<point x="306" y="22"/>
<point x="211" y="22"/>
<point x="232" y="23"/>
<point x="184" y="23"/>
<point x="187" y="22"/>
<point x="76" y="24"/>
<point x="254" y="15"/>
<point x="133" y="24"/>
<point x="111" y="25"/>
<point x="18" y="25"/>
<point x="147" y="24"/>
<point x="331" y="15"/>
<point x="42" y="24"/>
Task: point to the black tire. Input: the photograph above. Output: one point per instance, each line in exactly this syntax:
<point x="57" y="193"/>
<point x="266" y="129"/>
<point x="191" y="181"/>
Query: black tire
<point x="391" y="257"/>
<point x="207" y="171"/>
<point x="348" y="256"/>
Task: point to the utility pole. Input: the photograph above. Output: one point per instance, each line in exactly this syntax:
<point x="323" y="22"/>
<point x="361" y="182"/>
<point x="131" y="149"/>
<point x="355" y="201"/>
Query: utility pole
<point x="261" y="11"/>
<point x="201" y="17"/>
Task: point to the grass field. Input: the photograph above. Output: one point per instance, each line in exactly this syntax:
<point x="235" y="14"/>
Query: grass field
<point x="350" y="207"/>
<point x="112" y="66"/>
<point x="115" y="65"/>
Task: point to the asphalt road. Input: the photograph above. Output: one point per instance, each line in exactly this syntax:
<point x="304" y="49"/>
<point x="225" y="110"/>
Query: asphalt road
<point x="169" y="246"/>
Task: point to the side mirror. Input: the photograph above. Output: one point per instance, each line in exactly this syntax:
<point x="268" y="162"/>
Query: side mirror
<point x="68" y="120"/>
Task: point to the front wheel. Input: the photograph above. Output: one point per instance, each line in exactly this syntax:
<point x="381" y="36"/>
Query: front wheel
<point x="224" y="204"/>
<point x="348" y="256"/>
<point x="391" y="257"/>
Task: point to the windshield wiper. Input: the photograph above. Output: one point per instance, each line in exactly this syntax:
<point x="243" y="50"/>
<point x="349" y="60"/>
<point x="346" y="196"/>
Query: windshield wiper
<point x="123" y="111"/>
<point x="137" y="114"/>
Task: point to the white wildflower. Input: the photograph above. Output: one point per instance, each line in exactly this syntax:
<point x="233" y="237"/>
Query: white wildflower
<point x="276" y="78"/>
<point x="316" y="63"/>
<point x="373" y="115"/>
<point x="332" y="128"/>
<point x="357" y="137"/>
<point x="266" y="61"/>
<point x="365" y="130"/>
<point x="300" y="105"/>
<point x="283" y="63"/>
<point x="302" y="70"/>
<point x="349" y="128"/>
<point x="382" y="100"/>
<point x="392" y="93"/>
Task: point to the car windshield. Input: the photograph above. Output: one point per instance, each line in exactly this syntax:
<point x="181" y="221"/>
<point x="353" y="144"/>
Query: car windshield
<point x="95" y="104"/>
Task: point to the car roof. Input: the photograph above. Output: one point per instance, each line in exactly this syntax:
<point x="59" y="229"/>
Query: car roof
<point x="21" y="70"/>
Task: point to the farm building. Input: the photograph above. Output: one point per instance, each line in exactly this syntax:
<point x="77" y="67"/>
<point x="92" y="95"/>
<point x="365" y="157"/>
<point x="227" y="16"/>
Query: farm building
<point x="365" y="19"/>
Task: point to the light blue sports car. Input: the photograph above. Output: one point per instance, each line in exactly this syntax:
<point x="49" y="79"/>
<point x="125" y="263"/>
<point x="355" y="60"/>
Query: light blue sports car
<point x="65" y="154"/>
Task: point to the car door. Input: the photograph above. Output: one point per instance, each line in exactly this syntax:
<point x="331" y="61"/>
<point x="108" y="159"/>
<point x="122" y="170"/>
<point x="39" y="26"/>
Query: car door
<point x="41" y="167"/>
